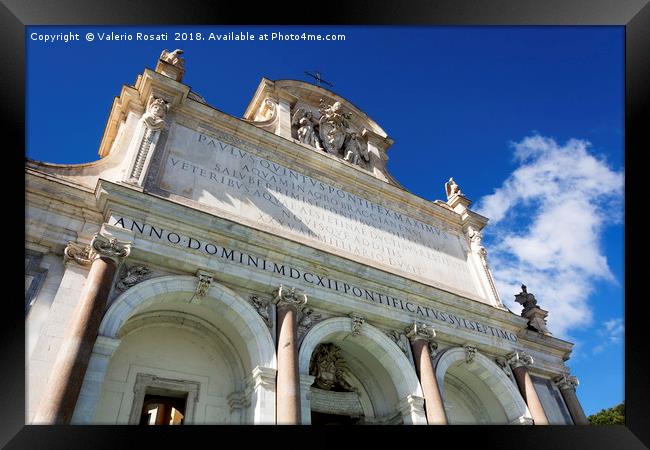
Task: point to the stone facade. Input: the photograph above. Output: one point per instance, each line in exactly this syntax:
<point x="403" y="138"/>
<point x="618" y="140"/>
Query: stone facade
<point x="252" y="242"/>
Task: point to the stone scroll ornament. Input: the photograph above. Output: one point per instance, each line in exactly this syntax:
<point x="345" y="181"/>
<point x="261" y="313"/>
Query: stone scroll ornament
<point x="289" y="296"/>
<point x="519" y="359"/>
<point x="470" y="353"/>
<point x="81" y="254"/>
<point x="566" y="381"/>
<point x="357" y="323"/>
<point x="202" y="286"/>
<point x="100" y="245"/>
<point x="420" y="330"/>
<point x="153" y="121"/>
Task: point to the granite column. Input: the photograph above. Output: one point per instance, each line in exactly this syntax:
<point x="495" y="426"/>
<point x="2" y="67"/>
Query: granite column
<point x="288" y="304"/>
<point x="62" y="390"/>
<point x="420" y="336"/>
<point x="567" y="385"/>
<point x="519" y="363"/>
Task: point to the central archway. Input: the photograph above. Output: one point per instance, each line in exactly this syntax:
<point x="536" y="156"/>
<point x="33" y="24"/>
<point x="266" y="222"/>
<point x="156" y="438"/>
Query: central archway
<point x="389" y="389"/>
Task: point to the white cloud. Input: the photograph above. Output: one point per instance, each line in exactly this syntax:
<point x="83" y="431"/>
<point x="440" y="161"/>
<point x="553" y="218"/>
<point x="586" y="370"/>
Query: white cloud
<point x="546" y="222"/>
<point x="610" y="333"/>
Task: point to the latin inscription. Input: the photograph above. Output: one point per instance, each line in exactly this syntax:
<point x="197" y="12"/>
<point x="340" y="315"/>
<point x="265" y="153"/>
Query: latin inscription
<point x="218" y="174"/>
<point x="255" y="262"/>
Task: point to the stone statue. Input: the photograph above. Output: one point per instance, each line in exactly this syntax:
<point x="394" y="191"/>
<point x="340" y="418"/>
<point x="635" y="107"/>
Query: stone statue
<point x="173" y="58"/>
<point x="327" y="367"/>
<point x="354" y="149"/>
<point x="451" y="188"/>
<point x="475" y="238"/>
<point x="528" y="301"/>
<point x="154" y="118"/>
<point x="307" y="124"/>
<point x="332" y="126"/>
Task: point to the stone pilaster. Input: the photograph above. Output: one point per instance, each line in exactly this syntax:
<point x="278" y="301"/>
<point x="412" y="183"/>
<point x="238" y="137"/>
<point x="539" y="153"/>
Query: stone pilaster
<point x="305" y="398"/>
<point x="412" y="410"/>
<point x="288" y="303"/>
<point x="94" y="378"/>
<point x="261" y="384"/>
<point x="285" y="100"/>
<point x="519" y="362"/>
<point x="567" y="385"/>
<point x="420" y="336"/>
<point x="62" y="391"/>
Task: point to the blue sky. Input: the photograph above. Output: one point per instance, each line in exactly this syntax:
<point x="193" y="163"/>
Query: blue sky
<point x="528" y="120"/>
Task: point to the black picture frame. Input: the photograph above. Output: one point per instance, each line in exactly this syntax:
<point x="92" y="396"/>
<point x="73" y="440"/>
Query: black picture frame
<point x="634" y="15"/>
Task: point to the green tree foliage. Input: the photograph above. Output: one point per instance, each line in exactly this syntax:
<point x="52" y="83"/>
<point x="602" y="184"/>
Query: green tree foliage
<point x="610" y="416"/>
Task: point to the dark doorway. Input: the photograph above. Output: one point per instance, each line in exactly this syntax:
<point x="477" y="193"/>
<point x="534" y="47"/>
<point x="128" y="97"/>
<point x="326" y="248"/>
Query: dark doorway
<point x="162" y="410"/>
<point x="318" y="418"/>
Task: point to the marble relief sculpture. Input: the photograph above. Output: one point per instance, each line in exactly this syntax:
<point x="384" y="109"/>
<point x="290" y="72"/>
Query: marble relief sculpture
<point x="354" y="149"/>
<point x="154" y="121"/>
<point x="330" y="133"/>
<point x="154" y="118"/>
<point x="332" y="126"/>
<point x="262" y="306"/>
<point x="307" y="125"/>
<point x="307" y="320"/>
<point x="132" y="275"/>
<point x="328" y="367"/>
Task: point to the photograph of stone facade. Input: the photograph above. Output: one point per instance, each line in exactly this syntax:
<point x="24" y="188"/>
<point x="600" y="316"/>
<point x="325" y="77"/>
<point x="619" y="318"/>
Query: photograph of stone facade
<point x="268" y="269"/>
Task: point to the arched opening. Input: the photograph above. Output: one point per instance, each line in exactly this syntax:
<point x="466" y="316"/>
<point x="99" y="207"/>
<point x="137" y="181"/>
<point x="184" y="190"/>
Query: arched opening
<point x="201" y="357"/>
<point x="478" y="391"/>
<point x="356" y="378"/>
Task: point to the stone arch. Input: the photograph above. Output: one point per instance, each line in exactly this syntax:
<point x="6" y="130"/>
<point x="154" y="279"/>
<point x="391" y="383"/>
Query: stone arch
<point x="492" y="377"/>
<point x="176" y="291"/>
<point x="223" y="323"/>
<point x="374" y="350"/>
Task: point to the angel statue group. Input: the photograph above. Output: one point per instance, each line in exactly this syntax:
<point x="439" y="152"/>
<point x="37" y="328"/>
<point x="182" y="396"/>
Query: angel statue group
<point x="330" y="132"/>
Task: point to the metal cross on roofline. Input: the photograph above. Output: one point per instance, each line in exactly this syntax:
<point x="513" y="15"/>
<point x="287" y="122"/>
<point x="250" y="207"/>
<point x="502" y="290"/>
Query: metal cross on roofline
<point x="318" y="78"/>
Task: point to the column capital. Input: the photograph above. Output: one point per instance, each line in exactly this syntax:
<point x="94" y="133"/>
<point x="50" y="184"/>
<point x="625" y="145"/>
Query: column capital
<point x="420" y="330"/>
<point x="109" y="247"/>
<point x="566" y="381"/>
<point x="79" y="253"/>
<point x="102" y="244"/>
<point x="285" y="296"/>
<point x="519" y="359"/>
